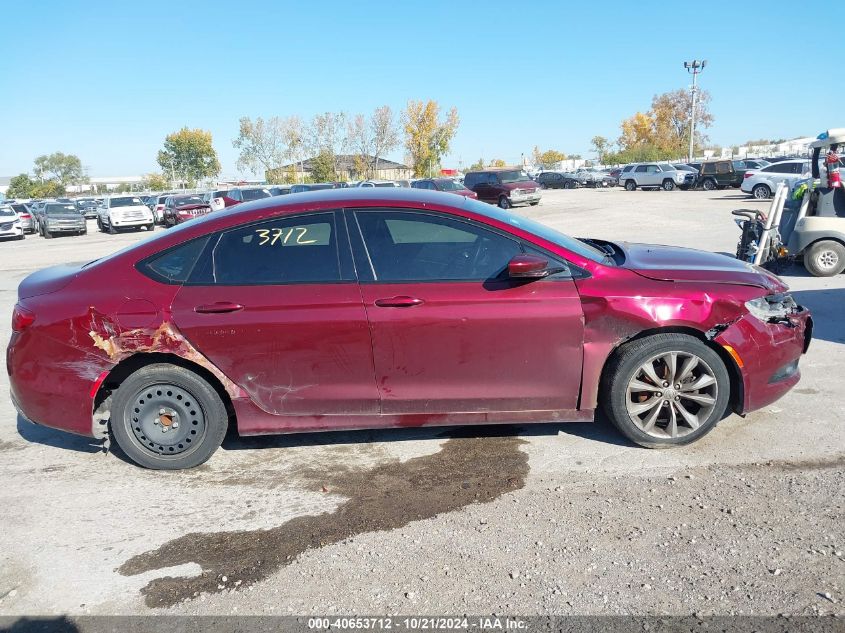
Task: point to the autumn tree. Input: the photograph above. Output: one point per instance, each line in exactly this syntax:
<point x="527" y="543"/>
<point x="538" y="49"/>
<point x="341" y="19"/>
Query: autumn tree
<point x="65" y="169"/>
<point x="550" y="157"/>
<point x="476" y="166"/>
<point x="154" y="182"/>
<point x="671" y="112"/>
<point x="189" y="155"/>
<point x="427" y="137"/>
<point x="262" y="144"/>
<point x="497" y="162"/>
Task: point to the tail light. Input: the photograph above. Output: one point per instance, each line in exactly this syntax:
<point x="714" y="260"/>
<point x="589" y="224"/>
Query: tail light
<point x="21" y="318"/>
<point x="747" y="175"/>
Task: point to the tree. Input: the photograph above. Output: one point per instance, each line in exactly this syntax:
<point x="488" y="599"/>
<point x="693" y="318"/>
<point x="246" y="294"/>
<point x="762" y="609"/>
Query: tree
<point x="48" y="189"/>
<point x="479" y="164"/>
<point x="385" y="134"/>
<point x="189" y="156"/>
<point x="154" y="182"/>
<point x="370" y="139"/>
<point x="327" y="136"/>
<point x="323" y="167"/>
<point x="21" y="186"/>
<point x="600" y="144"/>
<point x="65" y="169"/>
<point x="262" y="143"/>
<point x="672" y="112"/>
<point x="427" y="138"/>
<point x="550" y="157"/>
<point x="497" y="162"/>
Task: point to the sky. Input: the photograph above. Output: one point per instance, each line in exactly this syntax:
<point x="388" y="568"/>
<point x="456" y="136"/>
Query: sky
<point x="107" y="81"/>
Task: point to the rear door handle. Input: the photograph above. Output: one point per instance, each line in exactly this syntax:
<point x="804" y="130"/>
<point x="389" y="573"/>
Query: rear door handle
<point x="399" y="302"/>
<point x="219" y="307"/>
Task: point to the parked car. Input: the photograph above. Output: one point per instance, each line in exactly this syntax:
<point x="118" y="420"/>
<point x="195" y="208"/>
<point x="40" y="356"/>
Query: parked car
<point x="27" y="221"/>
<point x="376" y="183"/>
<point x="156" y="205"/>
<point x="314" y="186"/>
<point x="400" y="326"/>
<point x="246" y="194"/>
<point x="654" y="176"/>
<point x="10" y="223"/>
<point x="87" y="207"/>
<point x="761" y="183"/>
<point x="448" y="185"/>
<point x="124" y="211"/>
<point x="719" y="174"/>
<point x="506" y="187"/>
<point x="279" y="190"/>
<point x="596" y="178"/>
<point x="751" y="163"/>
<point x="218" y="199"/>
<point x="560" y="180"/>
<point x="181" y="208"/>
<point x="36" y="209"/>
<point x="61" y="217"/>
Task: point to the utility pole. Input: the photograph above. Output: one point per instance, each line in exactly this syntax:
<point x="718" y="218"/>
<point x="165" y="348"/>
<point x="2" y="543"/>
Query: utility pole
<point x="694" y="68"/>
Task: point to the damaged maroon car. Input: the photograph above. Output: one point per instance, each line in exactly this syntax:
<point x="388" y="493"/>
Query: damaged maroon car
<point x="375" y="308"/>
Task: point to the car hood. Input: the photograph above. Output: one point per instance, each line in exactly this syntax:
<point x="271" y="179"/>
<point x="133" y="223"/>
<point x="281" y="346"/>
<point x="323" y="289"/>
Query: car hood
<point x="524" y="184"/>
<point x="134" y="207"/>
<point x="674" y="263"/>
<point x="47" y="280"/>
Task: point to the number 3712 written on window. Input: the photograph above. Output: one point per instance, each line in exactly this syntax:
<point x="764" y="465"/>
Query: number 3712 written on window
<point x="283" y="236"/>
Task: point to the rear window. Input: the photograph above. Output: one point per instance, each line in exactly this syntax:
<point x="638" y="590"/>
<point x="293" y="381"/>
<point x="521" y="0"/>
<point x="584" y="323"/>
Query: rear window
<point x="176" y="264"/>
<point x="255" y="194"/>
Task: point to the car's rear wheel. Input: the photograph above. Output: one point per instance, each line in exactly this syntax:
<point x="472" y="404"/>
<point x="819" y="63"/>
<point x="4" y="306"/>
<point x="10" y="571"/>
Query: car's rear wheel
<point x="668" y="185"/>
<point x="630" y="185"/>
<point x="709" y="184"/>
<point x="167" y="418"/>
<point x="665" y="390"/>
<point x="761" y="192"/>
<point x="825" y="258"/>
<point x="504" y="202"/>
<point x="569" y="184"/>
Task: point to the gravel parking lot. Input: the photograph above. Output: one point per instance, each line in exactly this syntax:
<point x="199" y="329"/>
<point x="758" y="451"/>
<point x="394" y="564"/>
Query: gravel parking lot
<point x="567" y="519"/>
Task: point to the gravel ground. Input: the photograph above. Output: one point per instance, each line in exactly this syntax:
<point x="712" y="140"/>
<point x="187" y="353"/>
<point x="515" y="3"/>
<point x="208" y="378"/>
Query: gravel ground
<point x="563" y="519"/>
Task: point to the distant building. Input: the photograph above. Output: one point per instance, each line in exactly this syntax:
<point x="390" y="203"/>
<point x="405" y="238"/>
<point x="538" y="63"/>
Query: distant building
<point x="347" y="168"/>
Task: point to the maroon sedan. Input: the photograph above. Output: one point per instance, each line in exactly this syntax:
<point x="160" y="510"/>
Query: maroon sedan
<point x="179" y="209"/>
<point x="448" y="185"/>
<point x="371" y="308"/>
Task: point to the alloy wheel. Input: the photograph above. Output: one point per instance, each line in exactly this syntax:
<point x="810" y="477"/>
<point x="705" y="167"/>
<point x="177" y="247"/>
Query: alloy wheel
<point x="827" y="260"/>
<point x="671" y="394"/>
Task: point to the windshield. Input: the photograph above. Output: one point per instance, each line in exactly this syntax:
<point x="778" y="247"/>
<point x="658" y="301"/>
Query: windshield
<point x="7" y="211"/>
<point x="126" y="202"/>
<point x="538" y="229"/>
<point x="448" y="185"/>
<point x="60" y="209"/>
<point x="183" y="200"/>
<point x="255" y="194"/>
<point x="514" y="175"/>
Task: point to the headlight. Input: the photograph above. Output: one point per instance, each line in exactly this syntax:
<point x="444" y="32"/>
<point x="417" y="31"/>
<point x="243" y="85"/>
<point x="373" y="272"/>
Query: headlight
<point x="775" y="307"/>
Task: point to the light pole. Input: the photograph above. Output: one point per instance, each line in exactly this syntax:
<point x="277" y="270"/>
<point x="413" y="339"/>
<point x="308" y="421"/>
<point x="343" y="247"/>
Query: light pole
<point x="694" y="68"/>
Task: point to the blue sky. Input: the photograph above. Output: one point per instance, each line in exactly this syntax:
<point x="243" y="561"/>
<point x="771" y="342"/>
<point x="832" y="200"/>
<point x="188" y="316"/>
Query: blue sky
<point x="108" y="80"/>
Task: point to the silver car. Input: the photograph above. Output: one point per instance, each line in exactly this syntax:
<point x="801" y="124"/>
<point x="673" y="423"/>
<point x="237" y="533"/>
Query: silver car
<point x="760" y="183"/>
<point x="10" y="224"/>
<point x="25" y="216"/>
<point x="653" y="175"/>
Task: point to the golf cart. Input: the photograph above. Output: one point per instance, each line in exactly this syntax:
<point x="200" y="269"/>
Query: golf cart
<point x="807" y="221"/>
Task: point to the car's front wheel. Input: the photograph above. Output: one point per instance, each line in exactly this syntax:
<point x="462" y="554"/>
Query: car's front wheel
<point x="825" y="258"/>
<point x="504" y="202"/>
<point x="665" y="390"/>
<point x="668" y="185"/>
<point x="761" y="192"/>
<point x="167" y="418"/>
<point x="569" y="184"/>
<point x="709" y="184"/>
<point x="630" y="185"/>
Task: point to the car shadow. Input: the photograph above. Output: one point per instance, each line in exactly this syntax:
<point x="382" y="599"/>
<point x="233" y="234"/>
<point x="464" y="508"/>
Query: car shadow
<point x="743" y="196"/>
<point x="828" y="308"/>
<point x="37" y="434"/>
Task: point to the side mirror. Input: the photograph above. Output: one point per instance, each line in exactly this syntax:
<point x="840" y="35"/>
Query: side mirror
<point x="530" y="267"/>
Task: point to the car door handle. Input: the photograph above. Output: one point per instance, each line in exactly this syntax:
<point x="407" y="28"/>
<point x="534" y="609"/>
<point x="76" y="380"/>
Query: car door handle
<point x="398" y="302"/>
<point x="219" y="307"/>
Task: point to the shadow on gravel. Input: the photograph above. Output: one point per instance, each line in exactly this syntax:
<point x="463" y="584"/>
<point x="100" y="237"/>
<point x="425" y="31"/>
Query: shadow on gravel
<point x="61" y="624"/>
<point x="58" y="439"/>
<point x="828" y="308"/>
<point x="388" y="496"/>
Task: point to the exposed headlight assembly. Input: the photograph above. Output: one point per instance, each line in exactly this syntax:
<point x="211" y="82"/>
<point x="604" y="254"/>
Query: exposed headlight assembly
<point x="772" y="308"/>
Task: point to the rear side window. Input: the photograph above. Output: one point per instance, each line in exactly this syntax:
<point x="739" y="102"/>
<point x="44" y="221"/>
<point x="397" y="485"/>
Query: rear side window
<point x="174" y="265"/>
<point x="277" y="251"/>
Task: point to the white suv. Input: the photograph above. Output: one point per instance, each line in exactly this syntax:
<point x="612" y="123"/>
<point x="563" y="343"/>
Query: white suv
<point x="124" y="212"/>
<point x="656" y="175"/>
<point x="760" y="183"/>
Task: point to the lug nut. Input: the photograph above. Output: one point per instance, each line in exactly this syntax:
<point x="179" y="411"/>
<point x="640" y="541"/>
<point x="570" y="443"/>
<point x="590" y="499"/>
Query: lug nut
<point x="677" y="397"/>
<point x="161" y="411"/>
<point x="665" y="403"/>
<point x="665" y="384"/>
<point x="678" y="386"/>
<point x="175" y="425"/>
<point x="659" y="394"/>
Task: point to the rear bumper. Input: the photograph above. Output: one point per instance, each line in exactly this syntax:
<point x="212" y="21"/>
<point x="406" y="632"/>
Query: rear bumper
<point x="770" y="353"/>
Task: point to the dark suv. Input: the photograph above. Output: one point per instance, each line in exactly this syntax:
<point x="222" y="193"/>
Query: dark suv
<point x="718" y="174"/>
<point x="559" y="180"/>
<point x="506" y="187"/>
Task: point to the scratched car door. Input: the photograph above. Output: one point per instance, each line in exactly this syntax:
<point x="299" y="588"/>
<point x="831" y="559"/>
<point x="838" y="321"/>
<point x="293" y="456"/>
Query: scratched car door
<point x="276" y="307"/>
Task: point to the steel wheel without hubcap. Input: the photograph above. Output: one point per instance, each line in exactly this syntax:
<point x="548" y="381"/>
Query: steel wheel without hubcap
<point x="672" y="394"/>
<point x="166" y="419"/>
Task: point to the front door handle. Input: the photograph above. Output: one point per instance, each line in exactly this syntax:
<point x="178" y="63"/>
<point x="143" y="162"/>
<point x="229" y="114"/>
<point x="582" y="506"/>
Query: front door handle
<point x="399" y="302"/>
<point x="219" y="307"/>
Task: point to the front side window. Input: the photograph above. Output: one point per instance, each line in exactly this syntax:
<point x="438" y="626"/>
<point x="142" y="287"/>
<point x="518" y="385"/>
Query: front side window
<point x="413" y="246"/>
<point x="651" y="169"/>
<point x="279" y="251"/>
<point x="641" y="169"/>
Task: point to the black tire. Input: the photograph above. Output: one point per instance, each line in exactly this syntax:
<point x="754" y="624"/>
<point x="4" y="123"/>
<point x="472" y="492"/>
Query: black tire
<point x="630" y="185"/>
<point x="709" y="184"/>
<point x="151" y="226"/>
<point x="504" y="202"/>
<point x="668" y="185"/>
<point x="535" y="203"/>
<point x="761" y="192"/>
<point x="569" y="184"/>
<point x="825" y="258"/>
<point x="100" y="225"/>
<point x="111" y="230"/>
<point x="47" y="235"/>
<point x="191" y="444"/>
<point x="625" y="366"/>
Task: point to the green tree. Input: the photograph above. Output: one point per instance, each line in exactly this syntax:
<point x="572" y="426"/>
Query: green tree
<point x="66" y="169"/>
<point x="550" y="157"/>
<point x="155" y="182"/>
<point x="322" y="167"/>
<point x="189" y="155"/>
<point x="497" y="162"/>
<point x="48" y="189"/>
<point x="21" y="186"/>
<point x="601" y="145"/>
<point x="427" y="137"/>
<point x="479" y="164"/>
